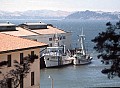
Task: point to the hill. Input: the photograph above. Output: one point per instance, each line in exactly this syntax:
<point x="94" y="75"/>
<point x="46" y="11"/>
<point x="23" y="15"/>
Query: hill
<point x="34" y="14"/>
<point x="94" y="15"/>
<point x="50" y="14"/>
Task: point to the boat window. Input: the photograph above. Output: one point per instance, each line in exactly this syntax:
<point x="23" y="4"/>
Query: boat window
<point x="53" y="57"/>
<point x="60" y="51"/>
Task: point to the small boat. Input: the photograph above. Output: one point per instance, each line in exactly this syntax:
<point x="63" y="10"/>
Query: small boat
<point x="81" y="57"/>
<point x="57" y="56"/>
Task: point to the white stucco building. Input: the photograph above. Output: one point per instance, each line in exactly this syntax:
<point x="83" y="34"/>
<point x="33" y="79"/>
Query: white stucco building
<point x="43" y="33"/>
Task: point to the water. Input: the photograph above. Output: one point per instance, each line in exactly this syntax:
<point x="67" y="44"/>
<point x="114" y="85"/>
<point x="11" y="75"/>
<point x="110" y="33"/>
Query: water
<point x="76" y="76"/>
<point x="79" y="76"/>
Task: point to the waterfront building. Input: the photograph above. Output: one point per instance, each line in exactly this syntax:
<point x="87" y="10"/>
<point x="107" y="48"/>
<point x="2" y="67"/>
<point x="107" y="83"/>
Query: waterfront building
<point x="15" y="48"/>
<point x="7" y="27"/>
<point x="43" y="33"/>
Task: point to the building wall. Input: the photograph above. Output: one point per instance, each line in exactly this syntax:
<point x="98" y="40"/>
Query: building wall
<point x="34" y="67"/>
<point x="45" y="38"/>
<point x="68" y="41"/>
<point x="7" y="28"/>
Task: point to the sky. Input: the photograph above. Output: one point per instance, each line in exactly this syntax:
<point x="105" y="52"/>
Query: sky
<point x="64" y="5"/>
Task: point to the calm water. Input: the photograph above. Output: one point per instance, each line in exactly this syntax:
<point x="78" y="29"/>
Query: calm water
<point x="76" y="76"/>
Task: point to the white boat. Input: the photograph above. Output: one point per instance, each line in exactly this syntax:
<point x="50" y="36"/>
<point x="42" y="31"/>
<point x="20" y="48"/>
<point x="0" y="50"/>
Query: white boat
<point x="81" y="57"/>
<point x="56" y="56"/>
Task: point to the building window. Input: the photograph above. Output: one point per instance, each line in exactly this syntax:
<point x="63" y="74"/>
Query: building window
<point x="9" y="60"/>
<point x="50" y="39"/>
<point x="34" y="39"/>
<point x="21" y="58"/>
<point x="9" y="82"/>
<point x="32" y="78"/>
<point x="21" y="81"/>
<point x="32" y="52"/>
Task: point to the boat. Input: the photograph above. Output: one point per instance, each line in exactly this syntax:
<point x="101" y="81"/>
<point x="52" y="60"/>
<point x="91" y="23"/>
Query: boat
<point x="81" y="57"/>
<point x="56" y="56"/>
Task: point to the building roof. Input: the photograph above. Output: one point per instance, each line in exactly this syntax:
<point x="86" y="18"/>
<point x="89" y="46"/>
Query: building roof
<point x="20" y="32"/>
<point x="49" y="30"/>
<point x="10" y="43"/>
<point x="27" y="32"/>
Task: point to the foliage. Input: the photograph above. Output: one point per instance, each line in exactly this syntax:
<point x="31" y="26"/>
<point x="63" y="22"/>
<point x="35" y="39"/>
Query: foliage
<point x="15" y="74"/>
<point x="108" y="47"/>
<point x="32" y="58"/>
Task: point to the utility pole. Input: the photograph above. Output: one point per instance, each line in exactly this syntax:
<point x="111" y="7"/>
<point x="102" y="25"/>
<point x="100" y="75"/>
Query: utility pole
<point x="52" y="81"/>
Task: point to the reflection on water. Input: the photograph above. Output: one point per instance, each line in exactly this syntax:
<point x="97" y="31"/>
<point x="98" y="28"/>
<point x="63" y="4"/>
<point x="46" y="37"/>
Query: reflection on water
<point x="78" y="76"/>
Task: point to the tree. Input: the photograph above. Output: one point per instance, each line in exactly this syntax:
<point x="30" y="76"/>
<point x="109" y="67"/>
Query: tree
<point x="21" y="70"/>
<point x="108" y="47"/>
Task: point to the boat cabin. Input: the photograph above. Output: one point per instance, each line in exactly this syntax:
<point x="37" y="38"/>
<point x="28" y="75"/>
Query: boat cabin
<point x="55" y="49"/>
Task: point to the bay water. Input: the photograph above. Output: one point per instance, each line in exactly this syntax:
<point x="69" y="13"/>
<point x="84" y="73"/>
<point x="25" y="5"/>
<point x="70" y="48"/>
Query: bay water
<point x="76" y="76"/>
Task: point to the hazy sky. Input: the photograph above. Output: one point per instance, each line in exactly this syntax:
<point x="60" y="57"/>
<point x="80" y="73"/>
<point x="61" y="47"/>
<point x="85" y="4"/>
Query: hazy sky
<point x="66" y="5"/>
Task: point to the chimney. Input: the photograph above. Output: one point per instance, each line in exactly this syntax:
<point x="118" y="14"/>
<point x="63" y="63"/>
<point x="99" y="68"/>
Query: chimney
<point x="8" y="22"/>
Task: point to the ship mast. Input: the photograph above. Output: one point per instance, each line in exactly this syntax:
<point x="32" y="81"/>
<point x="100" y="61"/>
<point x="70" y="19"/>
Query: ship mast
<point x="82" y="45"/>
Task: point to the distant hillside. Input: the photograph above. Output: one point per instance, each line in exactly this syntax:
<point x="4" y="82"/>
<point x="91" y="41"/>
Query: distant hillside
<point x="50" y="14"/>
<point x="34" y="14"/>
<point x="94" y="15"/>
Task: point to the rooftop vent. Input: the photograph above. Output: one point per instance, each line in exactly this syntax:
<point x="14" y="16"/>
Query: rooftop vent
<point x="8" y="22"/>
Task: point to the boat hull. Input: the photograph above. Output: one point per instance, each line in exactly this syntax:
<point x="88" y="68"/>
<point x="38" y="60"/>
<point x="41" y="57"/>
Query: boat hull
<point x="80" y="61"/>
<point x="57" y="61"/>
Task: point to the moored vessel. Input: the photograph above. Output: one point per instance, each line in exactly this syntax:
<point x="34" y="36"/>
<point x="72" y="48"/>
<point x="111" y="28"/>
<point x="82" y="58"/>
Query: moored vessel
<point x="81" y="57"/>
<point x="57" y="56"/>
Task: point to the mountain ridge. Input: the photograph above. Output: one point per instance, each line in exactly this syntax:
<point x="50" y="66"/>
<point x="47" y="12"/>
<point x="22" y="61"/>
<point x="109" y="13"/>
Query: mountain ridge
<point x="50" y="14"/>
<point x="33" y="14"/>
<point x="94" y="15"/>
